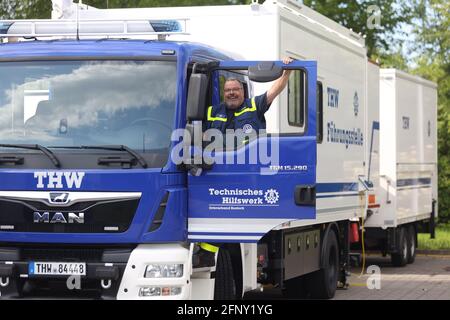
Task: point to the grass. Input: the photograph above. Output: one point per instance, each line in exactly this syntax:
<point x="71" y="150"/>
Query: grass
<point x="442" y="241"/>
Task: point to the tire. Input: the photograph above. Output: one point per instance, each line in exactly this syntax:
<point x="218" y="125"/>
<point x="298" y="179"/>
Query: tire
<point x="412" y="244"/>
<point x="225" y="285"/>
<point x="322" y="284"/>
<point x="400" y="258"/>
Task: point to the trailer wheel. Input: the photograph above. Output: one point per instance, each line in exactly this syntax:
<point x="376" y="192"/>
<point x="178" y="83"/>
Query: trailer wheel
<point x="225" y="285"/>
<point x="400" y="258"/>
<point x="322" y="284"/>
<point x="412" y="244"/>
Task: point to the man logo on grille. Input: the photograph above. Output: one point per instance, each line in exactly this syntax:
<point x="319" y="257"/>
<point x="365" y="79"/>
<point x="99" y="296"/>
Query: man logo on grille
<point x="59" y="198"/>
<point x="58" y="217"/>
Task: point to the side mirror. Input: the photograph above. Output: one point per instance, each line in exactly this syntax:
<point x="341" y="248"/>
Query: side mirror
<point x="264" y="72"/>
<point x="196" y="100"/>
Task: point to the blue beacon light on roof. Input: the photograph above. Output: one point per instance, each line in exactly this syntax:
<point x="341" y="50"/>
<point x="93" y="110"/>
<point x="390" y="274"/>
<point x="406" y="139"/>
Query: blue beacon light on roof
<point x="4" y="27"/>
<point x="166" y="26"/>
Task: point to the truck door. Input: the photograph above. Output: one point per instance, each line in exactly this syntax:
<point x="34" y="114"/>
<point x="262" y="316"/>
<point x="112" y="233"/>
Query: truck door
<point x="240" y="201"/>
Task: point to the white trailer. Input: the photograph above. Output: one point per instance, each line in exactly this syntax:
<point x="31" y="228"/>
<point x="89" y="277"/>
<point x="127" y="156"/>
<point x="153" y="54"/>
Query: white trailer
<point x="405" y="177"/>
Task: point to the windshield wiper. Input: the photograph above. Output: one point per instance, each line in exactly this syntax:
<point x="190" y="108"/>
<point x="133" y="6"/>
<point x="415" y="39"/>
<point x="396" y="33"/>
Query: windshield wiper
<point x="44" y="150"/>
<point x="133" y="153"/>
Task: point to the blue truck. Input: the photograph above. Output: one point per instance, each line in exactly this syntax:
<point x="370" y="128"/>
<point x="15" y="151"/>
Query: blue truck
<point x="93" y="200"/>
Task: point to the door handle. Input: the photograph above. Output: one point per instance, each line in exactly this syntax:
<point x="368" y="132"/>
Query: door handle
<point x="305" y="195"/>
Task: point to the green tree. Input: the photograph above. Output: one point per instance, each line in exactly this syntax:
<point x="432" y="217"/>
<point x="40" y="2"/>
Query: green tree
<point x="433" y="44"/>
<point x="25" y="9"/>
<point x="395" y="60"/>
<point x="360" y="16"/>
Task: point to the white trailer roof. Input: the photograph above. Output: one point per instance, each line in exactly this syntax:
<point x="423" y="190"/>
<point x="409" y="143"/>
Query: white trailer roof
<point x="394" y="73"/>
<point x="65" y="9"/>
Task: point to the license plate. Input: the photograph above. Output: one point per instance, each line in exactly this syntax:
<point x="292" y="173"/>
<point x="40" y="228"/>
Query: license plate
<point x="57" y="268"/>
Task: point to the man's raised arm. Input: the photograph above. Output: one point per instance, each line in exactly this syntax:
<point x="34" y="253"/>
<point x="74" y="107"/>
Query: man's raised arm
<point x="279" y="84"/>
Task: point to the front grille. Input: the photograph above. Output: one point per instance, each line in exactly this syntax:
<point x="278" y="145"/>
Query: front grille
<point x="114" y="215"/>
<point x="63" y="254"/>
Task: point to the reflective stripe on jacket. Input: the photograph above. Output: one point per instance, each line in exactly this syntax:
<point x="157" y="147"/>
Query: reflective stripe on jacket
<point x="245" y="117"/>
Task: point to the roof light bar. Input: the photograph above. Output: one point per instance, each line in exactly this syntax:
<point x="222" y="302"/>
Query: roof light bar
<point x="100" y="28"/>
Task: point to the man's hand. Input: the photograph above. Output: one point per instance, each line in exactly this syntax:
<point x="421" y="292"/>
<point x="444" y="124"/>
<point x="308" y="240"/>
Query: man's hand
<point x="280" y="83"/>
<point x="287" y="60"/>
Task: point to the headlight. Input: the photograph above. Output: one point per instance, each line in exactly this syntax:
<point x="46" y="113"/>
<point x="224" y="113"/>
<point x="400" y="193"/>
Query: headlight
<point x="159" y="291"/>
<point x="164" y="271"/>
<point x="150" y="292"/>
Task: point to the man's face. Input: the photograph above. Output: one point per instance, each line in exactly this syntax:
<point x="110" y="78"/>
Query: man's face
<point x="233" y="94"/>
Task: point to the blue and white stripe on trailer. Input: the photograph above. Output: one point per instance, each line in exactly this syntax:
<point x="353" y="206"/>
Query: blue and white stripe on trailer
<point x="413" y="183"/>
<point x="334" y="189"/>
<point x="337" y="194"/>
<point x="329" y="187"/>
<point x="225" y="237"/>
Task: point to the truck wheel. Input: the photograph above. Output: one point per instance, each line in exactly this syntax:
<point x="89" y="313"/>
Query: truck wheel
<point x="322" y="284"/>
<point x="412" y="244"/>
<point x="225" y="285"/>
<point x="400" y="258"/>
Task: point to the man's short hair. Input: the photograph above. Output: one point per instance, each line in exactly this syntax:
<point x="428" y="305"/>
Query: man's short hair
<point x="237" y="80"/>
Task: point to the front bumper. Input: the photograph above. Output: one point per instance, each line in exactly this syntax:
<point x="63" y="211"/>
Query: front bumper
<point x="111" y="273"/>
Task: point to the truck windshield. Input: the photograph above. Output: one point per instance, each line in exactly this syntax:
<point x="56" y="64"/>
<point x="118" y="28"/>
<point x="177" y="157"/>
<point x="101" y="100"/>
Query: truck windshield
<point x="75" y="103"/>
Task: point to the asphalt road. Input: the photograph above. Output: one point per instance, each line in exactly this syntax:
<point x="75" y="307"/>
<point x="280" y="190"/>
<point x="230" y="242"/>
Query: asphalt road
<point x="428" y="278"/>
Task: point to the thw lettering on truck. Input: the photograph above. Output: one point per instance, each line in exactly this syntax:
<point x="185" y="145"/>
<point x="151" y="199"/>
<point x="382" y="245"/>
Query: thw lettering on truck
<point x="59" y="180"/>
